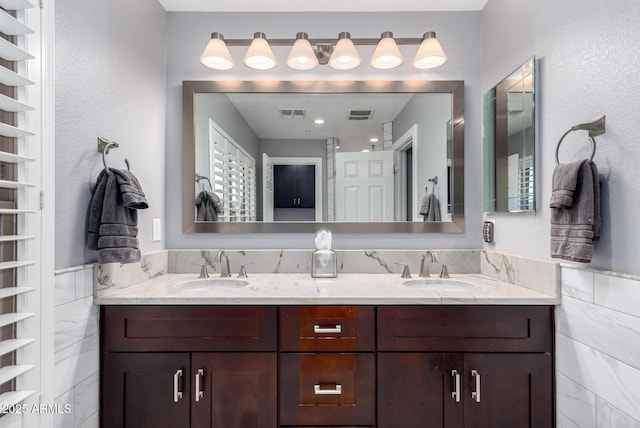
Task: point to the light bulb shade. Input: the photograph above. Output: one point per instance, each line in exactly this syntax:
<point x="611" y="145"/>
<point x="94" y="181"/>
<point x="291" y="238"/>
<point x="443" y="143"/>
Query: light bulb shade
<point x="216" y="54"/>
<point x="302" y="56"/>
<point x="344" y="56"/>
<point x="259" y="55"/>
<point x="387" y="55"/>
<point x="430" y="54"/>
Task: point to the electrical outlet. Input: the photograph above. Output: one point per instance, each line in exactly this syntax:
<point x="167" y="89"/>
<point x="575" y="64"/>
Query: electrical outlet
<point x="157" y="230"/>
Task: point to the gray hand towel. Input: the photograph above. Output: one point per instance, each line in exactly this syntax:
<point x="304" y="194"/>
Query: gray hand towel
<point x="430" y="208"/>
<point x="208" y="206"/>
<point x="112" y="228"/>
<point x="574" y="228"/>
<point x="565" y="178"/>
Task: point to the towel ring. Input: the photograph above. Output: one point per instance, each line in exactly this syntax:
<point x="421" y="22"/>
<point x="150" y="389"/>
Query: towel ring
<point x="593" y="146"/>
<point x="104" y="146"/>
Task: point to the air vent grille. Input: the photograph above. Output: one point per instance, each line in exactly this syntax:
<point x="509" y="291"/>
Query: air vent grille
<point x="360" y="114"/>
<point x="293" y="113"/>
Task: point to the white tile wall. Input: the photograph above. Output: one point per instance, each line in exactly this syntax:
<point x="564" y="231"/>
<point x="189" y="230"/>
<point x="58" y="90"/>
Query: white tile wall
<point x="598" y="350"/>
<point x="76" y="338"/>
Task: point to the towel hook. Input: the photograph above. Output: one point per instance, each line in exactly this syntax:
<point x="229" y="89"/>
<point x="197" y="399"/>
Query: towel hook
<point x="104" y="146"/>
<point x="202" y="177"/>
<point x="595" y="127"/>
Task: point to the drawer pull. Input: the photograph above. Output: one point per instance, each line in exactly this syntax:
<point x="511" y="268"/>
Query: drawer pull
<point x="320" y="329"/>
<point x="456" y="385"/>
<point x="335" y="391"/>
<point x="476" y="394"/>
<point x="177" y="394"/>
<point x="199" y="389"/>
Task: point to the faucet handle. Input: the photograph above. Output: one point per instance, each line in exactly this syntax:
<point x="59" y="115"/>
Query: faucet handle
<point x="204" y="273"/>
<point x="444" y="273"/>
<point x="243" y="270"/>
<point x="406" y="273"/>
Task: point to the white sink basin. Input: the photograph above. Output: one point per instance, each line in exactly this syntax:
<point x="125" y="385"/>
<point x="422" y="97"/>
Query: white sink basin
<point x="439" y="284"/>
<point x="209" y="284"/>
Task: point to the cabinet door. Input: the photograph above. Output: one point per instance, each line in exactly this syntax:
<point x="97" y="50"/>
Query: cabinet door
<point x="415" y="390"/>
<point x="145" y="390"/>
<point x="284" y="186"/>
<point x="508" y="390"/>
<point x="239" y="390"/>
<point x="306" y="186"/>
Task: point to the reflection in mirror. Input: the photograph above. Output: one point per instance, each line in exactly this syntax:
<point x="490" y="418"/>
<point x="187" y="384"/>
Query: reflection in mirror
<point x="509" y="142"/>
<point x="296" y="154"/>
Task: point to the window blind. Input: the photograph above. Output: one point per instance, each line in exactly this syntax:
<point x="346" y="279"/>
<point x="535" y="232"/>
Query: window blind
<point x="19" y="232"/>
<point x="234" y="178"/>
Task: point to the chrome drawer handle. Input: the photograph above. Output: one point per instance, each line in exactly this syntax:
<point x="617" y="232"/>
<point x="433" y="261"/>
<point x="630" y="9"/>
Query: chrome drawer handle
<point x="456" y="388"/>
<point x="319" y="329"/>
<point x="177" y="394"/>
<point x="476" y="394"/>
<point x="336" y="391"/>
<point x="199" y="389"/>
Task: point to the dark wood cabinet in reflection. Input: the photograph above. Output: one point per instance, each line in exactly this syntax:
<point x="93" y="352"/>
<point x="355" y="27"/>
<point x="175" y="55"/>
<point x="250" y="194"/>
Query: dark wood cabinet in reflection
<point x="294" y="186"/>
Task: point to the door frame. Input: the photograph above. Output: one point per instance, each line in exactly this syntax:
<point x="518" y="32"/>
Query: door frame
<point x="315" y="161"/>
<point x="407" y="140"/>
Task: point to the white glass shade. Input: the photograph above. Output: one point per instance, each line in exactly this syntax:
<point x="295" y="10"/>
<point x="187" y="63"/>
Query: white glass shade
<point x="430" y="53"/>
<point x="259" y="55"/>
<point x="302" y="56"/>
<point x="216" y="55"/>
<point x="387" y="55"/>
<point x="344" y="56"/>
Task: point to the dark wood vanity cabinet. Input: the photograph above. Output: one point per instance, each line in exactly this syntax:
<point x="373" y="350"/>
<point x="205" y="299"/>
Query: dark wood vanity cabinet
<point x="319" y="366"/>
<point x="465" y="366"/>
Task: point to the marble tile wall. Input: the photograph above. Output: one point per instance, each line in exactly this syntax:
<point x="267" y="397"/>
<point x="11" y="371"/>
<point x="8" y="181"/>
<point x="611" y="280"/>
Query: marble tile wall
<point x="150" y="266"/>
<point x="76" y="339"/>
<point x="538" y="275"/>
<point x="598" y="350"/>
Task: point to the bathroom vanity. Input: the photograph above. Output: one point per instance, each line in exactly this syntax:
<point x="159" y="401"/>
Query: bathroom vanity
<point x="291" y="351"/>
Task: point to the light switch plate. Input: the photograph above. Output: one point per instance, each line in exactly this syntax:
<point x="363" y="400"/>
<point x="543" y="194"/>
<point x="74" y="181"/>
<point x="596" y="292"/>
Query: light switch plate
<point x="157" y="230"/>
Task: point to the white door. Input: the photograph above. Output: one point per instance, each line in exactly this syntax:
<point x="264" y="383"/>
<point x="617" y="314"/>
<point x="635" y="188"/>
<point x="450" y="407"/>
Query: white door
<point x="267" y="188"/>
<point x="364" y="186"/>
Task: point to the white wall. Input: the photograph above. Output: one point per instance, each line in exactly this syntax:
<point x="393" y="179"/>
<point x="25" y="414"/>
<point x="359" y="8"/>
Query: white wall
<point x="589" y="63"/>
<point x="110" y="82"/>
<point x="458" y="32"/>
<point x="589" y="56"/>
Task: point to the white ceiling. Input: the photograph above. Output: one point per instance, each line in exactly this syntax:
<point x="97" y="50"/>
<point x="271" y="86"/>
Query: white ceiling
<point x="320" y="6"/>
<point x="262" y="112"/>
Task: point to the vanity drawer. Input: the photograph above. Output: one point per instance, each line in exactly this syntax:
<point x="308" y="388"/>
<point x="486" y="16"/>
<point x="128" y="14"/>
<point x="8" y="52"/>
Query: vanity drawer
<point x="465" y="328"/>
<point x="188" y="328"/>
<point x="327" y="389"/>
<point x="327" y="328"/>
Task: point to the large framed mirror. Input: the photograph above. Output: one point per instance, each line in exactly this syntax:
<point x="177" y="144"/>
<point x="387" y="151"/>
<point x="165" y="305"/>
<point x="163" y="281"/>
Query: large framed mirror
<point x="510" y="142"/>
<point x="303" y="156"/>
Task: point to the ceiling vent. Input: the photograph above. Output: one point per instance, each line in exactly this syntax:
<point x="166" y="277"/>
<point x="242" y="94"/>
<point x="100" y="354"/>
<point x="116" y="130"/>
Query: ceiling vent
<point x="360" y="114"/>
<point x="293" y="114"/>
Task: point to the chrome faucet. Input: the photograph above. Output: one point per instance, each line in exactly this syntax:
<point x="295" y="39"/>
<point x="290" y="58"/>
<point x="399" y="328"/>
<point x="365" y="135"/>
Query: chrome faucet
<point x="425" y="265"/>
<point x="223" y="259"/>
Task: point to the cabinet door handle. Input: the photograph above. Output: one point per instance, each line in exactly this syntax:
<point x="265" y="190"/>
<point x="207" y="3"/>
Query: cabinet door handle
<point x="177" y="394"/>
<point x="199" y="389"/>
<point x="456" y="385"/>
<point x="298" y="201"/>
<point x="320" y="329"/>
<point x="335" y="391"/>
<point x="476" y="394"/>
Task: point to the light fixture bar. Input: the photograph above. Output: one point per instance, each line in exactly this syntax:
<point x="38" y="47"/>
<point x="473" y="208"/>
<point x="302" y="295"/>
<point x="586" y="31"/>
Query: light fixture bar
<point x="361" y="42"/>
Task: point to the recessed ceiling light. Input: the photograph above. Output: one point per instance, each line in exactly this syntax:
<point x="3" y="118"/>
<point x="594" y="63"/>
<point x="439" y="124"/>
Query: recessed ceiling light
<point x="337" y="147"/>
<point x="319" y="121"/>
<point x="365" y="151"/>
<point x="374" y="140"/>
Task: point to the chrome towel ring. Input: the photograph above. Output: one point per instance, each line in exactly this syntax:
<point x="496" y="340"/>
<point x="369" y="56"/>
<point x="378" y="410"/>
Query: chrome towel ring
<point x="594" y="128"/>
<point x="104" y="146"/>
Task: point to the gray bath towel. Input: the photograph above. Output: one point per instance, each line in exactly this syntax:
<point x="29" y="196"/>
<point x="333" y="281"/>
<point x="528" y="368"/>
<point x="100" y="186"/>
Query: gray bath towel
<point x="565" y="178"/>
<point x="208" y="206"/>
<point x="112" y="228"/>
<point x="430" y="208"/>
<point x="575" y="227"/>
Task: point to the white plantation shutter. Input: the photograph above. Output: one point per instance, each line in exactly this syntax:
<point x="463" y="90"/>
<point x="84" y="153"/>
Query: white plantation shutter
<point x="233" y="173"/>
<point x="21" y="228"/>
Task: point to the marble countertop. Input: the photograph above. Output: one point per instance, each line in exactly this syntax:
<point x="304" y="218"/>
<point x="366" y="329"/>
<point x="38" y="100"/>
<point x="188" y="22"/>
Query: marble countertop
<point x="301" y="289"/>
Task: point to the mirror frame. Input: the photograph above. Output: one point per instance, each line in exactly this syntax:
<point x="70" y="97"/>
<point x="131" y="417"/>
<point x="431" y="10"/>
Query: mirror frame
<point x="191" y="88"/>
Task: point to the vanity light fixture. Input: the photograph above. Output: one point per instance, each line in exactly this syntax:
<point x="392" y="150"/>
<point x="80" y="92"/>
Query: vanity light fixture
<point x="302" y="56"/>
<point x="307" y="54"/>
<point x="259" y="56"/>
<point x="387" y="55"/>
<point x="430" y="54"/>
